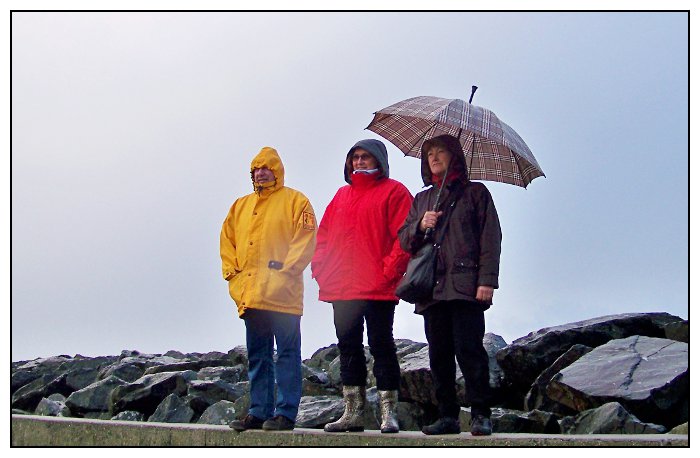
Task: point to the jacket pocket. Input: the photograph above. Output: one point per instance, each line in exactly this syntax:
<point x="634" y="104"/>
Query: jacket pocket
<point x="280" y="288"/>
<point x="235" y="288"/>
<point x="465" y="273"/>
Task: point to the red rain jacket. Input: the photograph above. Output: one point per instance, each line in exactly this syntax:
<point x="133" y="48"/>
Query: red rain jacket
<point x="358" y="255"/>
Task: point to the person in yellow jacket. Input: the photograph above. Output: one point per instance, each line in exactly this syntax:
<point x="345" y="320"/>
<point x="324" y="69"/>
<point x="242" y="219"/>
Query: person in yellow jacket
<point x="267" y="240"/>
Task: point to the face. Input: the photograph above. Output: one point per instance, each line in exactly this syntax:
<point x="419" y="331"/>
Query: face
<point x="362" y="160"/>
<point x="263" y="175"/>
<point x="438" y="160"/>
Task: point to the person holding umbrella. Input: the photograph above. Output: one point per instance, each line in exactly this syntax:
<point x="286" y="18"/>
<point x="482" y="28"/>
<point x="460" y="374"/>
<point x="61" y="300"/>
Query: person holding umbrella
<point x="466" y="274"/>
<point x="358" y="263"/>
<point x="267" y="240"/>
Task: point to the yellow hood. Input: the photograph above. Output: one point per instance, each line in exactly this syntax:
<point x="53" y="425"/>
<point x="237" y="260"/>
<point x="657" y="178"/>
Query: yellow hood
<point x="268" y="158"/>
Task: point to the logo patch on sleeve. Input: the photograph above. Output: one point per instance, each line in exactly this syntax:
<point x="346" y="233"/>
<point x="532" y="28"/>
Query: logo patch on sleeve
<point x="309" y="221"/>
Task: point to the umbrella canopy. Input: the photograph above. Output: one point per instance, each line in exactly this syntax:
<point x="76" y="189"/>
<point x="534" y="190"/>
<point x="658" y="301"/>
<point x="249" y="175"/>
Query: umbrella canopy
<point x="493" y="150"/>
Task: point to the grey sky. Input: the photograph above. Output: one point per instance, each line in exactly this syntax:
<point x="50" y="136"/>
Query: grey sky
<point x="132" y="134"/>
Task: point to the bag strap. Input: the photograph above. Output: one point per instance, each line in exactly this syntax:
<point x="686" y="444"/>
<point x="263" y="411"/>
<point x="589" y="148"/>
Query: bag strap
<point x="447" y="214"/>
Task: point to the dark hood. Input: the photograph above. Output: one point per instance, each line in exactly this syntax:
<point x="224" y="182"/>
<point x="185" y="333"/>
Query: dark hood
<point x="376" y="149"/>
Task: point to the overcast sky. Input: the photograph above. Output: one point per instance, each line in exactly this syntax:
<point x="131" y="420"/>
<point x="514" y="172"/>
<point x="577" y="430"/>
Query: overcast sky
<point x="132" y="134"/>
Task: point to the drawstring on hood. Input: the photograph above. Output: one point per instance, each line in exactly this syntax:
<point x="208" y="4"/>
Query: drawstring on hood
<point x="377" y="150"/>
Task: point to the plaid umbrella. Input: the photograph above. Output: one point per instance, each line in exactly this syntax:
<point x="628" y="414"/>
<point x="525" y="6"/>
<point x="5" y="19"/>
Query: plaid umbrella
<point x="493" y="150"/>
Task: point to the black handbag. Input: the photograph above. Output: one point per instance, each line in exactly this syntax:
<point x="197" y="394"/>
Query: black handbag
<point x="417" y="284"/>
<point x="419" y="280"/>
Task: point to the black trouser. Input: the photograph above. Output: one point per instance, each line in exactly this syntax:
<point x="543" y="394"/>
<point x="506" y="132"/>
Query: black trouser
<point x="456" y="328"/>
<point x="349" y="317"/>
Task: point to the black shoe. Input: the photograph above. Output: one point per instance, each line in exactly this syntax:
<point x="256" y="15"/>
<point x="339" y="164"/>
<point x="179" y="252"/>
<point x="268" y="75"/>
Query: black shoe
<point x="278" y="423"/>
<point x="249" y="422"/>
<point x="444" y="425"/>
<point x="481" y="426"/>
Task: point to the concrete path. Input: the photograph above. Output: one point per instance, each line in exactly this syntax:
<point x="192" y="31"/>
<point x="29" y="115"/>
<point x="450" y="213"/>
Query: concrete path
<point x="32" y="430"/>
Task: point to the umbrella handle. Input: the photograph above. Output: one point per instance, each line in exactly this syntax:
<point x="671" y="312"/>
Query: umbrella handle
<point x="474" y="88"/>
<point x="429" y="230"/>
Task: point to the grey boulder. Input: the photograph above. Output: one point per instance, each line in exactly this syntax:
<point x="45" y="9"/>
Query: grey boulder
<point x="145" y="394"/>
<point x="647" y="375"/>
<point x="524" y="359"/>
<point x="537" y="397"/>
<point x="172" y="410"/>
<point x="49" y="407"/>
<point x="610" y="418"/>
<point x="94" y="397"/>
<point x="219" y="413"/>
<point x="316" y="411"/>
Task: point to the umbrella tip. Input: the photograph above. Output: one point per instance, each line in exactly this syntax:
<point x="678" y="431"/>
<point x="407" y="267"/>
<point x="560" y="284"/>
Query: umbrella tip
<point x="474" y="88"/>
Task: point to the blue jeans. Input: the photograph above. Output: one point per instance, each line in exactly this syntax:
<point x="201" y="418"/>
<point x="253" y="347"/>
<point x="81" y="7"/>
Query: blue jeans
<point x="263" y="328"/>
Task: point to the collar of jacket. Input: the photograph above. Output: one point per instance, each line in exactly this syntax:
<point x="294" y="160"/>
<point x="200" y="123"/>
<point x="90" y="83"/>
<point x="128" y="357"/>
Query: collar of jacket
<point x="265" y="189"/>
<point x="364" y="180"/>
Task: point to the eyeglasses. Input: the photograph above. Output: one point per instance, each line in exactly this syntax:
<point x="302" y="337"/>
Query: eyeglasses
<point x="364" y="157"/>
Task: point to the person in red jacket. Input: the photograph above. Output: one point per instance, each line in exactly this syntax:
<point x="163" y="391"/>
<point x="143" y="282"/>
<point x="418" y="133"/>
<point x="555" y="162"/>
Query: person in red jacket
<point x="358" y="263"/>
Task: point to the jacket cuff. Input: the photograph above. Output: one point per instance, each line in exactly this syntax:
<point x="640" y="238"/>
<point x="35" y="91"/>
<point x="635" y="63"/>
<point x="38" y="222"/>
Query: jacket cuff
<point x="488" y="280"/>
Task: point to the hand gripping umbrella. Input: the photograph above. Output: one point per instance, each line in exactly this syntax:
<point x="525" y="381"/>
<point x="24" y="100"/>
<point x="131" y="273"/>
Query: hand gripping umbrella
<point x="493" y="150"/>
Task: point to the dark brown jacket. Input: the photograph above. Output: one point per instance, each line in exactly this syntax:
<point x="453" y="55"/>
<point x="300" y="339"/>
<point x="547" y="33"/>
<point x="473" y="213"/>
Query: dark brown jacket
<point x="470" y="251"/>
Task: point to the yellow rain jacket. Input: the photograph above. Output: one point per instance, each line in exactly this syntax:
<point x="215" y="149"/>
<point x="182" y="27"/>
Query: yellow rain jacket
<point x="267" y="240"/>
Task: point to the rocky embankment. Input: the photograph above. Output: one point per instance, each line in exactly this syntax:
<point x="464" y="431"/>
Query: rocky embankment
<point x="614" y="374"/>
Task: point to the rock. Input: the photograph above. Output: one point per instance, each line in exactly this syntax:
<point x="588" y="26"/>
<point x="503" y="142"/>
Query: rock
<point x="215" y="356"/>
<point x="21" y="378"/>
<point x="28" y="397"/>
<point x="129" y="371"/>
<point x="145" y="394"/>
<point x="610" y="418"/>
<point x="681" y="429"/>
<point x="242" y="405"/>
<point x="82" y="371"/>
<point x="129" y="415"/>
<point x="647" y="375"/>
<point x="416" y="380"/>
<point x="412" y="417"/>
<point x="204" y="393"/>
<point x="537" y="398"/>
<point x="52" y="408"/>
<point x="175" y="354"/>
<point x="95" y="397"/>
<point x="188" y="365"/>
<point x="132" y="363"/>
<point x="679" y="330"/>
<point x="172" y="410"/>
<point x="238" y="355"/>
<point x="315" y="412"/>
<point x="230" y="374"/>
<point x="492" y="344"/>
<point x="42" y="366"/>
<point x="323" y="357"/>
<point x="515" y="421"/>
<point x="406" y="347"/>
<point x="532" y="422"/>
<point x="57" y="397"/>
<point x="524" y="359"/>
<point x="220" y="413"/>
